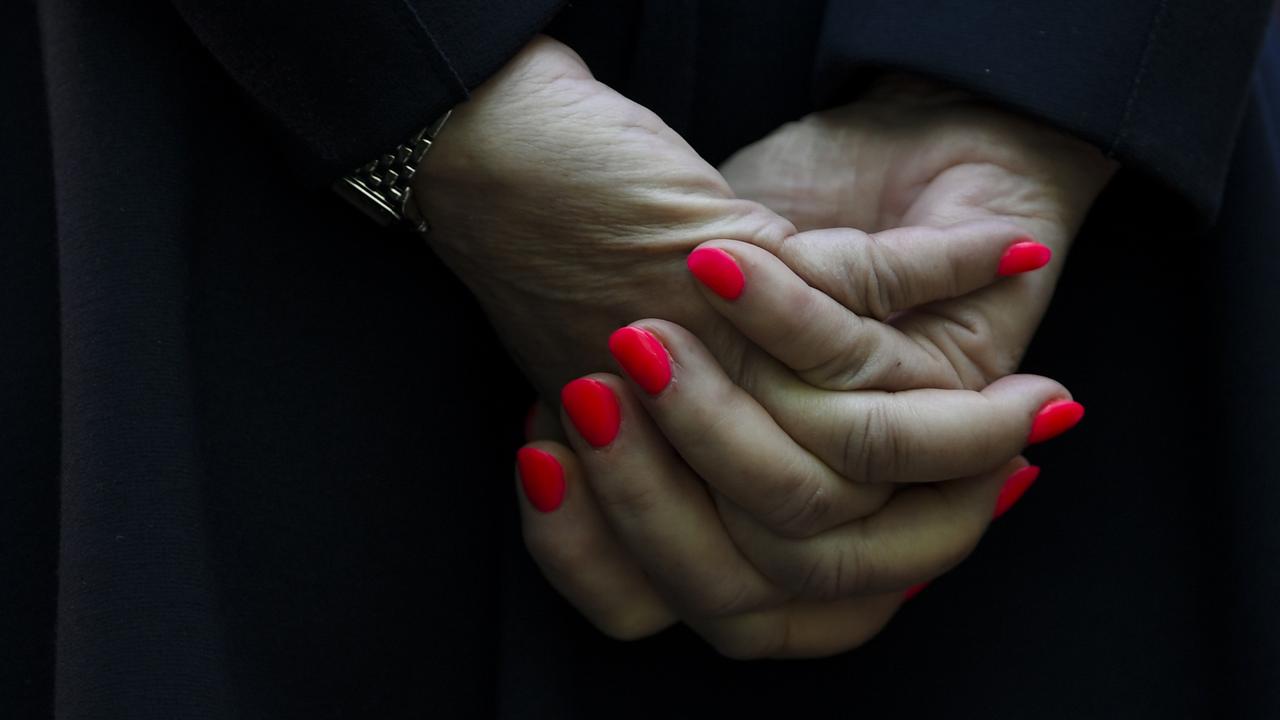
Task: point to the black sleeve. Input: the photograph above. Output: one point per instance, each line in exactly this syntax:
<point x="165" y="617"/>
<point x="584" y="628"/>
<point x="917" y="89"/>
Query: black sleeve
<point x="1158" y="84"/>
<point x="348" y="80"/>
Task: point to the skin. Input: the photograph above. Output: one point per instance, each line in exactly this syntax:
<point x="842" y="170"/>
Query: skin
<point x="910" y="153"/>
<point x="569" y="211"/>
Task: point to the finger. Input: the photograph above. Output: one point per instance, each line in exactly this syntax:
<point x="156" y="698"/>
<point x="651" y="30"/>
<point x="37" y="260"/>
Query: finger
<point x="867" y="436"/>
<point x="813" y="299"/>
<point x="800" y="629"/>
<point x="922" y="436"/>
<point x="882" y="273"/>
<point x="568" y="538"/>
<point x="660" y="512"/>
<point x="729" y="440"/>
<point x="1049" y="199"/>
<point x="806" y="329"/>
<point x="1015" y="486"/>
<point x="981" y="335"/>
<point x="816" y="312"/>
<point x="921" y="533"/>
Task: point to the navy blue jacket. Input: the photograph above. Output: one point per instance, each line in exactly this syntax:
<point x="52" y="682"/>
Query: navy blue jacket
<point x="254" y="451"/>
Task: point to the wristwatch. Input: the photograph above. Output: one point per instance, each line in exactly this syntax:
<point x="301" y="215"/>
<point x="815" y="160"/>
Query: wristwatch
<point x="381" y="189"/>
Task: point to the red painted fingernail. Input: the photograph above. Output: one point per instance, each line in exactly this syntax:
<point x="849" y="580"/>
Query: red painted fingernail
<point x="1024" y="256"/>
<point x="593" y="408"/>
<point x="541" y="477"/>
<point x="1016" y="484"/>
<point x="1053" y="419"/>
<point x="914" y="590"/>
<point x="717" y="270"/>
<point x="643" y="357"/>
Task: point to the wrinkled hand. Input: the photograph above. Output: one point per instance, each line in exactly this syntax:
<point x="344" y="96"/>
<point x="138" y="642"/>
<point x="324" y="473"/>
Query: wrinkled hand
<point x="569" y="210"/>
<point x="911" y="153"/>
<point x="633" y="522"/>
<point x="632" y="547"/>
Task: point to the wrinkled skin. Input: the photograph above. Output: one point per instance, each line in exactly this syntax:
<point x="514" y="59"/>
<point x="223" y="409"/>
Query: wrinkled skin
<point x="569" y="211"/>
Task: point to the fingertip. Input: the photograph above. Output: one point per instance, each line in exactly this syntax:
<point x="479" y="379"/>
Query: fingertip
<point x="593" y="409"/>
<point x="569" y="539"/>
<point x="718" y="271"/>
<point x="1023" y="256"/>
<point x="1015" y="486"/>
<point x="542" y="478"/>
<point x="643" y="357"/>
<point x="1053" y="419"/>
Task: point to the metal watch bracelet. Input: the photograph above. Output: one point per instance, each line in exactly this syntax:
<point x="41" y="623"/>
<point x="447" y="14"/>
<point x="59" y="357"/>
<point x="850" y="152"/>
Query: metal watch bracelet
<point x="381" y="189"/>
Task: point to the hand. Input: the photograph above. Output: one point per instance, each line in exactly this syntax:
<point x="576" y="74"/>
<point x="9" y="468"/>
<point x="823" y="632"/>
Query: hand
<point x="570" y="211"/>
<point x="632" y="537"/>
<point x="777" y="554"/>
<point x="912" y="153"/>
<point x="769" y="314"/>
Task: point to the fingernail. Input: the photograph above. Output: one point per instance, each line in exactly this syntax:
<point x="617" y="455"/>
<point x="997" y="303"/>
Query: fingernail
<point x="1053" y="419"/>
<point x="541" y="477"/>
<point x="593" y="408"/>
<point x="643" y="357"/>
<point x="1024" y="256"/>
<point x="1016" y="484"/>
<point x="717" y="270"/>
<point x="914" y="590"/>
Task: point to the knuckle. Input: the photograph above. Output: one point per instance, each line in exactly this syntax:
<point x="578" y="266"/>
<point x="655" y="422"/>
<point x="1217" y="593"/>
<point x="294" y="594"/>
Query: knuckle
<point x="803" y="506"/>
<point x="881" y="283"/>
<point x="963" y="334"/>
<point x="874" y="449"/>
<point x="720" y="598"/>
<point x="850" y="367"/>
<point x="833" y="574"/>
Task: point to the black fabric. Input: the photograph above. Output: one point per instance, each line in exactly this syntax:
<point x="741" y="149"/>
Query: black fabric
<point x="1159" y="84"/>
<point x="254" y="453"/>
<point x="29" y="434"/>
<point x="348" y="81"/>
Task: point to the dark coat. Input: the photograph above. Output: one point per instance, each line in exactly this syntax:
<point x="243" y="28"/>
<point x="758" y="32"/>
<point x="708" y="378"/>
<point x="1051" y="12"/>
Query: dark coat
<point x="254" y="451"/>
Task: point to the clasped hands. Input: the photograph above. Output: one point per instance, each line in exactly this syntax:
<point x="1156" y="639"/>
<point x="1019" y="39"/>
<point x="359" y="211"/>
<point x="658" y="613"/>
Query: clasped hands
<point x="808" y="419"/>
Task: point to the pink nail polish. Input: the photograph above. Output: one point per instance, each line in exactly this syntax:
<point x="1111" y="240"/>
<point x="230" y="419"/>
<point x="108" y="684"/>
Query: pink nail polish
<point x="1017" y="483"/>
<point x="542" y="478"/>
<point x="593" y="409"/>
<point x="643" y="357"/>
<point x="1054" y="418"/>
<point x="717" y="269"/>
<point x="1024" y="256"/>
